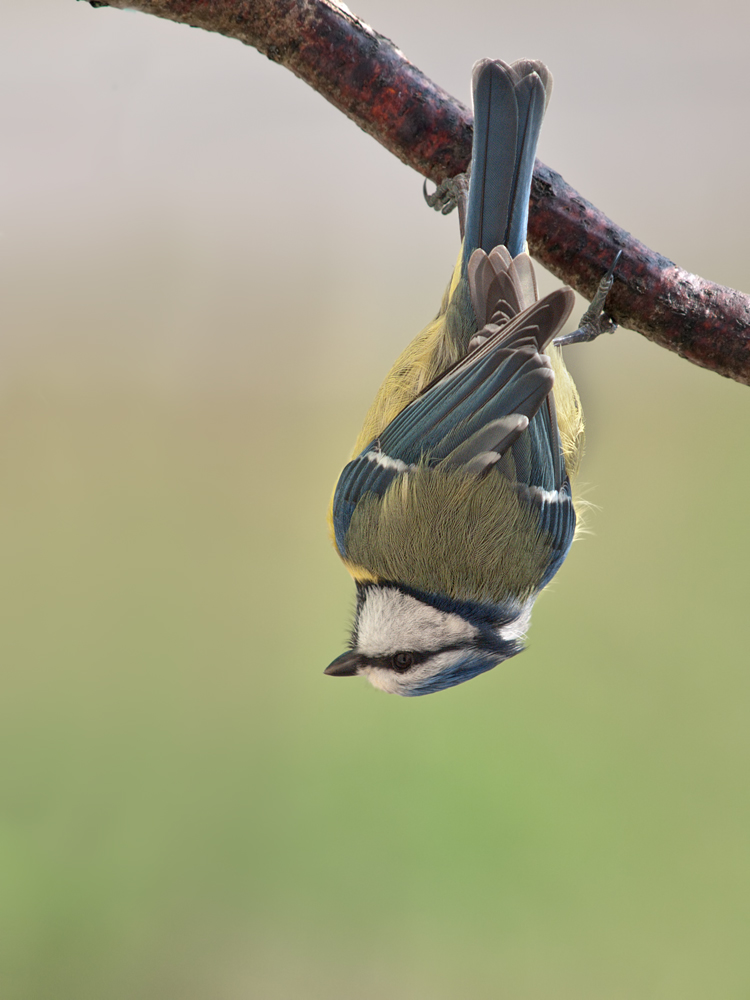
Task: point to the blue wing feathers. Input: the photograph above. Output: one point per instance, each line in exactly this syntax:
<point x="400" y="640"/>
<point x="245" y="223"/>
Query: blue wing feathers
<point x="359" y="477"/>
<point x="478" y="396"/>
<point x="558" y="518"/>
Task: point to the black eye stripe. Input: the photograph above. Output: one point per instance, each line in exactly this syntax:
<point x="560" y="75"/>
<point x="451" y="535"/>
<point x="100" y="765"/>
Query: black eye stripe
<point x="417" y="657"/>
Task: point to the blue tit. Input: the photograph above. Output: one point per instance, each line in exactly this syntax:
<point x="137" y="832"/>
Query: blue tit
<point x="456" y="508"/>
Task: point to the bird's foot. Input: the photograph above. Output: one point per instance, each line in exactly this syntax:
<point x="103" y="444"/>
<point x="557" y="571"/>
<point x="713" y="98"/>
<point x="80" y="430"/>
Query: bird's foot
<point x="594" y="321"/>
<point x="453" y="192"/>
<point x="448" y="194"/>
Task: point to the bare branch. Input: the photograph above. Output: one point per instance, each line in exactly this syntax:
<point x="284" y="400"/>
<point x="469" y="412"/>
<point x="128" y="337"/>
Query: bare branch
<point x="364" y="75"/>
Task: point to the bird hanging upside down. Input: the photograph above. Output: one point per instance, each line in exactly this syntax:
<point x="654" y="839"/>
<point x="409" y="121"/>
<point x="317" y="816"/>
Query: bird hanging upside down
<point x="456" y="508"/>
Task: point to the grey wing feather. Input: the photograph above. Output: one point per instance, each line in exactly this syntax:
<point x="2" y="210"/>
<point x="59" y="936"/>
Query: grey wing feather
<point x="523" y="271"/>
<point x="486" y="446"/>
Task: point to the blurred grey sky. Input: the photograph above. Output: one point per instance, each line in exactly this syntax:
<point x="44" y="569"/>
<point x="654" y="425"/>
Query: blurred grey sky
<point x="178" y="212"/>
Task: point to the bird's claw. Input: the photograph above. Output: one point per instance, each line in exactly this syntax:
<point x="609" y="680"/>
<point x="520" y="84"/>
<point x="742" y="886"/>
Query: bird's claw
<point x="448" y="194"/>
<point x="594" y="321"/>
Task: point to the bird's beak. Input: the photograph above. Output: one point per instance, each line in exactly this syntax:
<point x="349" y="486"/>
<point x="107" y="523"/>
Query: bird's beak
<point x="345" y="665"/>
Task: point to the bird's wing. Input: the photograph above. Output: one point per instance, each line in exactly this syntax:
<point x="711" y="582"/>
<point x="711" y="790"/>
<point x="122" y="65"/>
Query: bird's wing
<point x="508" y="376"/>
<point x="492" y="408"/>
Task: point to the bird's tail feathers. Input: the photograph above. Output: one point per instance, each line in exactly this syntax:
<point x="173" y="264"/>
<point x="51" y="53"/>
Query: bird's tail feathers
<point x="509" y="105"/>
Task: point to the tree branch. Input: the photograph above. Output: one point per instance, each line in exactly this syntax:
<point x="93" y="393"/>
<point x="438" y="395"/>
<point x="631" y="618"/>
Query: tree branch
<point x="364" y="75"/>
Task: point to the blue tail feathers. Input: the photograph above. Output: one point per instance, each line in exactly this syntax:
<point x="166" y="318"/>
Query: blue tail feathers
<point x="509" y="104"/>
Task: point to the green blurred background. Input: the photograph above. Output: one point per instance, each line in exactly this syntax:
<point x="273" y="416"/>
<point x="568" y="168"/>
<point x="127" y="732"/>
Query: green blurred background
<point x="205" y="272"/>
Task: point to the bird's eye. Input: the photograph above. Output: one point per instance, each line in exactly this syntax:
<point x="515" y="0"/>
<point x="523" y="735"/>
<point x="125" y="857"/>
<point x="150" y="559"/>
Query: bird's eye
<point x="402" y="661"/>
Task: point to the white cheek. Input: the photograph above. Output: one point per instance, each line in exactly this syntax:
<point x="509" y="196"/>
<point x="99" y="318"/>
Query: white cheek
<point x="384" y="680"/>
<point x="390" y="621"/>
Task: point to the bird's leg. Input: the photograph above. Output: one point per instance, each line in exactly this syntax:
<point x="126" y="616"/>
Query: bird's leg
<point x="594" y="321"/>
<point x="453" y="192"/>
